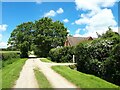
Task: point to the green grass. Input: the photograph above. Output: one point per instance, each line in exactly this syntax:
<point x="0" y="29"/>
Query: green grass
<point x="82" y="80"/>
<point x="45" y="60"/>
<point x="9" y="61"/>
<point x="10" y="73"/>
<point x="0" y="79"/>
<point x="41" y="79"/>
<point x="9" y="51"/>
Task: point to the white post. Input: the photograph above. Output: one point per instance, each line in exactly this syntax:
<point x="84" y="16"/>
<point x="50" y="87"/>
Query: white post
<point x="73" y="58"/>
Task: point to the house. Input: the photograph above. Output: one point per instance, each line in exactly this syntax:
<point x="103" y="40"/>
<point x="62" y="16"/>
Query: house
<point x="73" y="41"/>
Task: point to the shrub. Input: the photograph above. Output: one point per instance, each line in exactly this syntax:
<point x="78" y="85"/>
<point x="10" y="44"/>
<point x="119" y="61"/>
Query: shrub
<point x="113" y="74"/>
<point x="6" y="56"/>
<point x="63" y="54"/>
<point x="100" y="57"/>
<point x="72" y="67"/>
<point x="9" y="58"/>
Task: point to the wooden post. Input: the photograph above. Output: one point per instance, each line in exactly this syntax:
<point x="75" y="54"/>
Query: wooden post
<point x="73" y="58"/>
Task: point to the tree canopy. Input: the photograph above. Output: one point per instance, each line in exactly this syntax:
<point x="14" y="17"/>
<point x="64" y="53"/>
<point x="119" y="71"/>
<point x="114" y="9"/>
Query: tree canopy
<point x="48" y="34"/>
<point x="40" y="36"/>
<point x="21" y="38"/>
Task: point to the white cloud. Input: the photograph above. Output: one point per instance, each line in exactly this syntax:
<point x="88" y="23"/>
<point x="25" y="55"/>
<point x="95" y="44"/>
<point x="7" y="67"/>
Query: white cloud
<point x="66" y="20"/>
<point x="83" y="20"/>
<point x="103" y="18"/>
<point x="116" y="29"/>
<point x="94" y="5"/>
<point x="60" y="10"/>
<point x="77" y="33"/>
<point x="0" y="37"/>
<point x="68" y="31"/>
<point x="98" y="17"/>
<point x="3" y="27"/>
<point x="3" y="45"/>
<point x="52" y="13"/>
<point x="100" y="22"/>
<point x="38" y="1"/>
<point x="72" y="23"/>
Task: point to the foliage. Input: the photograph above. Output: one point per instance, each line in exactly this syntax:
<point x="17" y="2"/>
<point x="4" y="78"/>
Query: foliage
<point x="9" y="57"/>
<point x="39" y="36"/>
<point x="109" y="33"/>
<point x="63" y="54"/>
<point x="6" y="56"/>
<point x="82" y="80"/>
<point x="114" y="62"/>
<point x="48" y="35"/>
<point x="100" y="57"/>
<point x="21" y="38"/>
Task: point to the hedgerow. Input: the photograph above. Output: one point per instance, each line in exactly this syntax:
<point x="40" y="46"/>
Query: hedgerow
<point x="100" y="57"/>
<point x="6" y="56"/>
<point x="9" y="58"/>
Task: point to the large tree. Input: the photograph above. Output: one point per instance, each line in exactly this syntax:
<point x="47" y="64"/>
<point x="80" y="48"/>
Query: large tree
<point x="21" y="38"/>
<point x="48" y="34"/>
<point x="40" y="36"/>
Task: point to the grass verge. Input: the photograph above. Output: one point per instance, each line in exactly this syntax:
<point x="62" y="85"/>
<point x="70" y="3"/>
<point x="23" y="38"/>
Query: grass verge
<point x="82" y="80"/>
<point x="10" y="73"/>
<point x="45" y="60"/>
<point x="41" y="79"/>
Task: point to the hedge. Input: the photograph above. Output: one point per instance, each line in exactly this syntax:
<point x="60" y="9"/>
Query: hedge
<point x="100" y="57"/>
<point x="6" y="56"/>
<point x="62" y="54"/>
<point x="9" y="57"/>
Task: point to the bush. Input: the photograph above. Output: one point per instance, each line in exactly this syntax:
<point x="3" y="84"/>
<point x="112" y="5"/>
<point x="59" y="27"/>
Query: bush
<point x="63" y="54"/>
<point x="72" y="67"/>
<point x="100" y="57"/>
<point x="9" y="58"/>
<point x="113" y="74"/>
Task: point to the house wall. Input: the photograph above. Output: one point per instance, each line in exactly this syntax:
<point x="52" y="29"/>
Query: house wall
<point x="67" y="43"/>
<point x="119" y="30"/>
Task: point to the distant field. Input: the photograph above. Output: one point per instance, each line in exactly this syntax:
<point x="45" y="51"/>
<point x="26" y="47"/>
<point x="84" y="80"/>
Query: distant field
<point x="9" y="51"/>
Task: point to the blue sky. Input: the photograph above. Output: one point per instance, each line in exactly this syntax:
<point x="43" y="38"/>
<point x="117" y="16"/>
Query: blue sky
<point x="81" y="19"/>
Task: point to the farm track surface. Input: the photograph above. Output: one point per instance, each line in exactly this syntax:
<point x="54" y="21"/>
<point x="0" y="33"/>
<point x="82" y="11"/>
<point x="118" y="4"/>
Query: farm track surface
<point x="27" y="77"/>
